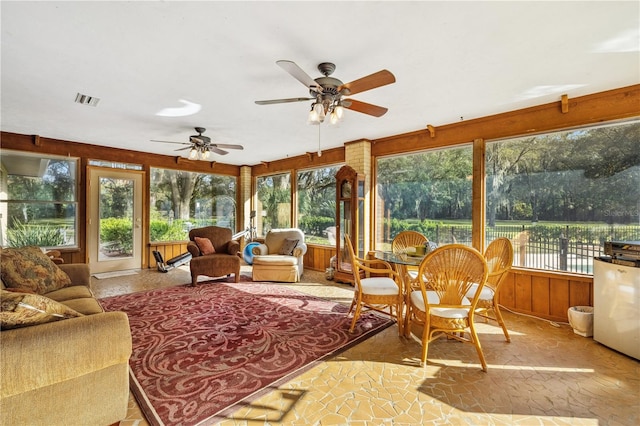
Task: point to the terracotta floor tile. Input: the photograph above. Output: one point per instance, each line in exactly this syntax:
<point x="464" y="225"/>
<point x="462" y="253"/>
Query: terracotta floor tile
<point x="546" y="376"/>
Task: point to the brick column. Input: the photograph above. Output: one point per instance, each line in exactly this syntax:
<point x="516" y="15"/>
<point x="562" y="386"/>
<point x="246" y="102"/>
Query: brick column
<point x="357" y="154"/>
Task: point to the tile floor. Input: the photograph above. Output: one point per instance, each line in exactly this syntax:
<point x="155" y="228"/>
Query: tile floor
<point x="547" y="375"/>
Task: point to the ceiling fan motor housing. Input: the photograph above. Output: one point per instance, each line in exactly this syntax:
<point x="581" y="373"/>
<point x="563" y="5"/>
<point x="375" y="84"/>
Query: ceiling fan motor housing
<point x="200" y="139"/>
<point x="329" y="86"/>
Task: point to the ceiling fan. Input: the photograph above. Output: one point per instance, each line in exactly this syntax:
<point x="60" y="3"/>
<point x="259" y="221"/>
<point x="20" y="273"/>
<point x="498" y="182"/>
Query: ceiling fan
<point x="327" y="93"/>
<point x="201" y="146"/>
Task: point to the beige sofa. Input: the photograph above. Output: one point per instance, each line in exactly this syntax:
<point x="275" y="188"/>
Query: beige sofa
<point x="71" y="371"/>
<point x="278" y="258"/>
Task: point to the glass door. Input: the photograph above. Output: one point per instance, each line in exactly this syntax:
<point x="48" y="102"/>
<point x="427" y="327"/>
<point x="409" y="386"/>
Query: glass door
<point x="345" y="231"/>
<point x="115" y="220"/>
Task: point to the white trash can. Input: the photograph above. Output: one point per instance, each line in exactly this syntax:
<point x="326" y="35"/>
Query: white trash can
<point x="581" y="319"/>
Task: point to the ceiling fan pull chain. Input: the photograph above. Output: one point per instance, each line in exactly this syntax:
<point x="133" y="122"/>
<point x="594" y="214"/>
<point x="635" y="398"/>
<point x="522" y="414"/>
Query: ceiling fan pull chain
<point x="319" y="150"/>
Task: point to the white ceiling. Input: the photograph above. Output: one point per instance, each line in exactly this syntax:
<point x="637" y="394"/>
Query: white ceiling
<point x="451" y="60"/>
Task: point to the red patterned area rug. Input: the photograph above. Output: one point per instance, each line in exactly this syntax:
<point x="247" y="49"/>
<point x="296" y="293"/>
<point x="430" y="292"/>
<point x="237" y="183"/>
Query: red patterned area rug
<point x="200" y="351"/>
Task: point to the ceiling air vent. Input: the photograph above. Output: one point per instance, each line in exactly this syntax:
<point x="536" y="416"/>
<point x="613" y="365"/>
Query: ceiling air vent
<point x="87" y="100"/>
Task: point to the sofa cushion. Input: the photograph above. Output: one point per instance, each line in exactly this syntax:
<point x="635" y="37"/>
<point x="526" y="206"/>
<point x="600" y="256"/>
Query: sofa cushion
<point x="68" y="293"/>
<point x="85" y="305"/>
<point x="205" y="245"/>
<point x="29" y="268"/>
<point x="287" y="246"/>
<point x="25" y="309"/>
<point x="275" y="260"/>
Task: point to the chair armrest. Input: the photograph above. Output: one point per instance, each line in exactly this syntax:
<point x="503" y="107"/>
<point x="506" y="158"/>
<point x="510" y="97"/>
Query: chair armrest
<point x="43" y="355"/>
<point x="78" y="272"/>
<point x="260" y="250"/>
<point x="233" y="247"/>
<point x="300" y="250"/>
<point x="378" y="267"/>
<point x="193" y="249"/>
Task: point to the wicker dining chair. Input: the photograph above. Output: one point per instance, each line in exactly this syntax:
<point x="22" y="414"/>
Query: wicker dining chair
<point x="499" y="257"/>
<point x="443" y="309"/>
<point x="405" y="242"/>
<point x="375" y="292"/>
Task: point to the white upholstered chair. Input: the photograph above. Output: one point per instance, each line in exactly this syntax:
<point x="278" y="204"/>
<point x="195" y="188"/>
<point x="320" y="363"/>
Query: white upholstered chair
<point x="281" y="256"/>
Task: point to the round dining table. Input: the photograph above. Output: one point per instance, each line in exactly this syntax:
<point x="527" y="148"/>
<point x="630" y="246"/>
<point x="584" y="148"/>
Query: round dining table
<point x="400" y="262"/>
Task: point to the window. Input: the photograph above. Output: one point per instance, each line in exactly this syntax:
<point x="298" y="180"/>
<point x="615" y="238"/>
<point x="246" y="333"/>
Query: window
<point x="182" y="200"/>
<point x="560" y="196"/>
<point x="317" y="204"/>
<point x="428" y="192"/>
<point x="38" y="200"/>
<point x="274" y="202"/>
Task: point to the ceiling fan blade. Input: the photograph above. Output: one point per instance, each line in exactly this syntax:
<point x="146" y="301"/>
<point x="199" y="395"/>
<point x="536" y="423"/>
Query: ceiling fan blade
<point x="212" y="148"/>
<point x="365" y="108"/>
<point x="378" y="79"/>
<point x="227" y="146"/>
<point x="182" y="149"/>
<point x="297" y="73"/>
<point x="179" y="143"/>
<point x="282" y="101"/>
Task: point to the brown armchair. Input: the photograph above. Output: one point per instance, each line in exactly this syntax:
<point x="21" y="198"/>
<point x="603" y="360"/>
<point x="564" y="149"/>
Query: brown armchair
<point x="224" y="261"/>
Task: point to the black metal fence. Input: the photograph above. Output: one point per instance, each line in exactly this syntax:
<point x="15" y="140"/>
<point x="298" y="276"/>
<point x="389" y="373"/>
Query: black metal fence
<point x="568" y="248"/>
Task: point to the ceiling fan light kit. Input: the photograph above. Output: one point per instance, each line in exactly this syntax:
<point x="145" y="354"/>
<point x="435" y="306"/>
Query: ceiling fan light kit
<point x="323" y="107"/>
<point x="202" y="153"/>
<point x="200" y="146"/>
<point x="327" y="92"/>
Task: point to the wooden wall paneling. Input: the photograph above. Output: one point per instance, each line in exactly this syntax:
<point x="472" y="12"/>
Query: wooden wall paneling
<point x="171" y="251"/>
<point x="507" y="294"/>
<point x="153" y="247"/>
<point x="523" y="292"/>
<point x="540" y="302"/>
<point x="545" y="294"/>
<point x="580" y="294"/>
<point x="166" y="249"/>
<point x="310" y="260"/>
<point x="317" y="257"/>
<point x="151" y="261"/>
<point x="327" y="254"/>
<point x="559" y="297"/>
<point x="72" y="256"/>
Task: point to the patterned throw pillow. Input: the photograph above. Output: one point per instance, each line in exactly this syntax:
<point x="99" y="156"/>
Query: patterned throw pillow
<point x="205" y="245"/>
<point x="29" y="268"/>
<point x="287" y="246"/>
<point x="25" y="309"/>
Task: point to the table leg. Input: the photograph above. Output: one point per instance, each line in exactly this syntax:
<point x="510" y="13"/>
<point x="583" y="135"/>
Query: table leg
<point x="405" y="282"/>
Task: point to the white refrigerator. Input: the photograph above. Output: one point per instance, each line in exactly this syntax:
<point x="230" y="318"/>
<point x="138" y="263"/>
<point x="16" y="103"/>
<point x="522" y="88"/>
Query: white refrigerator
<point x="616" y="306"/>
